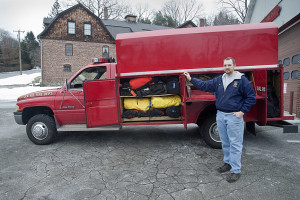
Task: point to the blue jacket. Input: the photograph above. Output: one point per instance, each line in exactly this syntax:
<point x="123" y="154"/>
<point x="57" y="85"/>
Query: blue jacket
<point x="238" y="96"/>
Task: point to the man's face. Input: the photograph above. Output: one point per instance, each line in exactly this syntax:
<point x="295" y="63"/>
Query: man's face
<point x="228" y="67"/>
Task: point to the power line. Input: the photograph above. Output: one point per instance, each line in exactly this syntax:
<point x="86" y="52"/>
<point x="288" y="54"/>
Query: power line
<point x="20" y="56"/>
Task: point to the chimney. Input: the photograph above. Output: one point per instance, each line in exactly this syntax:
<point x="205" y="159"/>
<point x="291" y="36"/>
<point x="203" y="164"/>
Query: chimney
<point x="202" y="22"/>
<point x="47" y="21"/>
<point x="105" y="13"/>
<point x="130" y="18"/>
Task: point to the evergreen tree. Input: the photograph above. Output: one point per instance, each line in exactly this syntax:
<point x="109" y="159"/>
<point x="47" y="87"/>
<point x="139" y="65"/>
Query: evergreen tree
<point x="164" y="20"/>
<point x="25" y="54"/>
<point x="144" y="20"/>
<point x="55" y="10"/>
<point x="30" y="49"/>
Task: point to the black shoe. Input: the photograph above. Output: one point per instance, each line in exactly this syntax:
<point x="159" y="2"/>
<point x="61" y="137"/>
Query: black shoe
<point x="233" y="177"/>
<point x="225" y="168"/>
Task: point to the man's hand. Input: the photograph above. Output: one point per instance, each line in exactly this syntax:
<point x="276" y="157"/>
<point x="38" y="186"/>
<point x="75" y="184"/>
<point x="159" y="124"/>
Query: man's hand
<point x="187" y="75"/>
<point x="239" y="114"/>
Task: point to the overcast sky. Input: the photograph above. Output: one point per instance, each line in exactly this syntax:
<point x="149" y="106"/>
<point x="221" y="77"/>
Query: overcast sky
<point x="27" y="15"/>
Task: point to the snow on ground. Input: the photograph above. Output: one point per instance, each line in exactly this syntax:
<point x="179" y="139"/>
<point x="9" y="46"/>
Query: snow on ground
<point x="14" y="78"/>
<point x="13" y="85"/>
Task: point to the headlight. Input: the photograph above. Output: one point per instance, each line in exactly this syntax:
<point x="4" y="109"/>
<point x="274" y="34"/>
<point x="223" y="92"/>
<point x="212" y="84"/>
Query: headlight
<point x="18" y="108"/>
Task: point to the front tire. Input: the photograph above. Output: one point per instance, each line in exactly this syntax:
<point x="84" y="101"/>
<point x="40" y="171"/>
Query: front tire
<point x="210" y="132"/>
<point x="41" y="129"/>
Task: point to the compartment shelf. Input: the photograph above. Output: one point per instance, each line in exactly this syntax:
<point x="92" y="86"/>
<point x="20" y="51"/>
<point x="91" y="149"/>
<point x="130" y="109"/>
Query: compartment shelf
<point x="147" y="119"/>
<point x="148" y="96"/>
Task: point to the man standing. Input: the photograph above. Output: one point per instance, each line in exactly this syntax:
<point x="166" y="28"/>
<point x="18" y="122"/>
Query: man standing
<point x="234" y="97"/>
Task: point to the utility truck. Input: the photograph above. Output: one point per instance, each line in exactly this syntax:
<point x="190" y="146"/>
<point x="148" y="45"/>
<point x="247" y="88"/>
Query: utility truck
<point x="91" y="99"/>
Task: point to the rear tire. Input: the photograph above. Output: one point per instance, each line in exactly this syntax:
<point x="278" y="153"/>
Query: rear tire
<point x="210" y="132"/>
<point x="41" y="129"/>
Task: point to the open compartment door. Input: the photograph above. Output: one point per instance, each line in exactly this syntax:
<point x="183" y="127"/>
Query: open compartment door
<point x="183" y="102"/>
<point x="101" y="104"/>
<point x="259" y="110"/>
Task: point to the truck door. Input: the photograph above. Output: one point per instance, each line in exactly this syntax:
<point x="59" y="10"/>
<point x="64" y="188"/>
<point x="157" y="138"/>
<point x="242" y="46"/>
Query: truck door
<point x="101" y="104"/>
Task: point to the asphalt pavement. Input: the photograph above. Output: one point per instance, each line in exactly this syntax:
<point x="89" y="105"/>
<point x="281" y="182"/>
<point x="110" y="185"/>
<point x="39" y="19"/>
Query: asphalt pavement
<point x="146" y="162"/>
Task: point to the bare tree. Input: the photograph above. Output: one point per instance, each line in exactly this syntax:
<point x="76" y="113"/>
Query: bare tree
<point x="143" y="12"/>
<point x="182" y="10"/>
<point x="117" y="9"/>
<point x="239" y="7"/>
<point x="9" y="49"/>
<point x="55" y="10"/>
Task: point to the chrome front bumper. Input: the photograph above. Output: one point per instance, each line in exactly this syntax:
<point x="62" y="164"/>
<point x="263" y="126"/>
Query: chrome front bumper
<point x="18" y="117"/>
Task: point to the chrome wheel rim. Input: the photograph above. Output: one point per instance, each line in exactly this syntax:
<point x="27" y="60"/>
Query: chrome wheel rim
<point x="39" y="130"/>
<point x="214" y="133"/>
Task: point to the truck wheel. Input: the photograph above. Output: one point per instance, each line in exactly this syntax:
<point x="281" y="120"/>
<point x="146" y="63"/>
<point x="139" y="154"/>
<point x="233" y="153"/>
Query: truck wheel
<point x="41" y="129"/>
<point x="210" y="132"/>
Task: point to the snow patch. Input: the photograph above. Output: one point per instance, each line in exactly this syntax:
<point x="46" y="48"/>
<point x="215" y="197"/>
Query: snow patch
<point x="10" y="84"/>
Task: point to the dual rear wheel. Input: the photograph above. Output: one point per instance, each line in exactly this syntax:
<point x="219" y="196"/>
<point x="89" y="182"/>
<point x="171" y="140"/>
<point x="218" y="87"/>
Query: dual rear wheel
<point x="208" y="129"/>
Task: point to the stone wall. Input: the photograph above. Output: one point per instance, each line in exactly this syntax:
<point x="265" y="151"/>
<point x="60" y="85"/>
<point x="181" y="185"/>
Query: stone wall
<point x="54" y="58"/>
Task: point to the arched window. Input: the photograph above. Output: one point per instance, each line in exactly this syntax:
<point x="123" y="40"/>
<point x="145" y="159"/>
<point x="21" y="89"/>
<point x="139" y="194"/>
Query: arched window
<point x="67" y="68"/>
<point x="294" y="75"/>
<point x="286" y="62"/>
<point x="105" y="51"/>
<point x="295" y="59"/>
<point x="286" y="75"/>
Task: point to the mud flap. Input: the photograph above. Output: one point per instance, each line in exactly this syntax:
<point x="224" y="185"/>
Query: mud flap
<point x="287" y="127"/>
<point x="250" y="127"/>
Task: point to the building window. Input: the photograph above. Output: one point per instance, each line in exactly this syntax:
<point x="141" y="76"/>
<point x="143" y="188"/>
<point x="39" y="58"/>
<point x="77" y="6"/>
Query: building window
<point x="67" y="68"/>
<point x="294" y="75"/>
<point x="286" y="62"/>
<point x="71" y="27"/>
<point x="295" y="59"/>
<point x="279" y="62"/>
<point x="69" y="50"/>
<point x="87" y="29"/>
<point x="105" y="52"/>
<point x="286" y="75"/>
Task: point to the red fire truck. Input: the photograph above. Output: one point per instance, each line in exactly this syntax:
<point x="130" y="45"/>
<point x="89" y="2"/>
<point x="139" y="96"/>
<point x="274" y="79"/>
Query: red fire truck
<point x="90" y="100"/>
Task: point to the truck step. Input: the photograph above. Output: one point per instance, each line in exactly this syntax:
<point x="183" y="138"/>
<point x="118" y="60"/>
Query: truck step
<point x="82" y="127"/>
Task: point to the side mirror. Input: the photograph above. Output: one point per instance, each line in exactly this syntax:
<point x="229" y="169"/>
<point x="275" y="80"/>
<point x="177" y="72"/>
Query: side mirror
<point x="66" y="85"/>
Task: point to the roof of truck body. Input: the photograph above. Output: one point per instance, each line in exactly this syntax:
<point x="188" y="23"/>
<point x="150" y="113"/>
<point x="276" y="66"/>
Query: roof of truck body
<point x="199" y="48"/>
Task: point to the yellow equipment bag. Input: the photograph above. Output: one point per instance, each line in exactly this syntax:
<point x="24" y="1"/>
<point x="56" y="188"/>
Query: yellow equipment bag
<point x="137" y="104"/>
<point x="166" y="101"/>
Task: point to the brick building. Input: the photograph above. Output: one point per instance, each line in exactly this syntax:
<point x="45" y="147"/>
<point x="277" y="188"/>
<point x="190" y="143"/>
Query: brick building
<point x="75" y="36"/>
<point x="286" y="14"/>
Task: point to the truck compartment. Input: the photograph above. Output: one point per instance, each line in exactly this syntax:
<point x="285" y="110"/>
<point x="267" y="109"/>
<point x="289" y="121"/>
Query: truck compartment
<point x="273" y="94"/>
<point x="266" y="84"/>
<point x="151" y="103"/>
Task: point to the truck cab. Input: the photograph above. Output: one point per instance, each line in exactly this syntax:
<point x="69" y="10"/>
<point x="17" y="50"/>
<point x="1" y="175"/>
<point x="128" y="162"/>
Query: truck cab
<point x="48" y="111"/>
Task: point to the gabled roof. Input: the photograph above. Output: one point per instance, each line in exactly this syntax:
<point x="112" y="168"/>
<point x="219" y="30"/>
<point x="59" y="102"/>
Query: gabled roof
<point x="113" y="27"/>
<point x="52" y="21"/>
<point x="187" y="23"/>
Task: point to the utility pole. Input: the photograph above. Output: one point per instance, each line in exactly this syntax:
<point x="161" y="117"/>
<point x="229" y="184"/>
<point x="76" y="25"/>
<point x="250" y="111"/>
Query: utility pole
<point x="20" y="55"/>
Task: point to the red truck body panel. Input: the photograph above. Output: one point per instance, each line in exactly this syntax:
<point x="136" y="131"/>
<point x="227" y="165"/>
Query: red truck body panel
<point x="190" y="49"/>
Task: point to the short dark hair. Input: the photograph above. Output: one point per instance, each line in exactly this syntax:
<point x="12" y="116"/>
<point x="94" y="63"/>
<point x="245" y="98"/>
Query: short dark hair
<point x="230" y="58"/>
